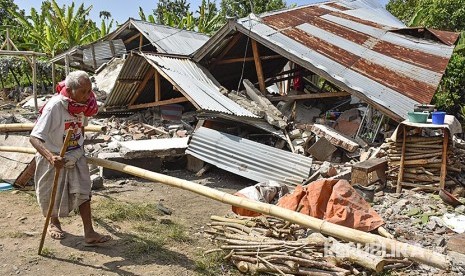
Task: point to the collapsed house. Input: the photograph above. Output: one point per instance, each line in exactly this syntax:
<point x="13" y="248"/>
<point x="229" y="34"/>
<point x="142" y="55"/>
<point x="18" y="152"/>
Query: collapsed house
<point x="233" y="101"/>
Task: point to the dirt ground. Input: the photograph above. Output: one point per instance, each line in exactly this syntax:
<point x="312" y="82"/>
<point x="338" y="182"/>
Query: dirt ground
<point x="156" y="245"/>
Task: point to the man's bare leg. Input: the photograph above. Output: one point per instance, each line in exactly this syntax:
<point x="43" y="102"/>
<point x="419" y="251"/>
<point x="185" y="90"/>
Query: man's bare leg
<point x="90" y="236"/>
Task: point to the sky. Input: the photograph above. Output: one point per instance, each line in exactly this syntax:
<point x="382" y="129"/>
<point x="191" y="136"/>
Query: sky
<point x="121" y="10"/>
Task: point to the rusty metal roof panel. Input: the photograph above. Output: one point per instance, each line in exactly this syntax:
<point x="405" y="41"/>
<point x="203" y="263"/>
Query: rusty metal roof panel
<point x="248" y="158"/>
<point x="197" y="84"/>
<point x="171" y="40"/>
<point x="359" y="46"/>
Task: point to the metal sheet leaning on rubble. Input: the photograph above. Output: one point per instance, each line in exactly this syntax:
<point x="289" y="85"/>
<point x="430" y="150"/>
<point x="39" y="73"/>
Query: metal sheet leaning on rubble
<point x="335" y="138"/>
<point x="248" y="158"/>
<point x="421" y="255"/>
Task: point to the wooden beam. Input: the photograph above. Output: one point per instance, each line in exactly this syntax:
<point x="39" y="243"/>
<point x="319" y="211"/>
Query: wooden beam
<point x="231" y="44"/>
<point x="93" y="56"/>
<point x="141" y="40"/>
<point x="258" y="66"/>
<point x="308" y="96"/>
<point x="128" y="80"/>
<point x="444" y="158"/>
<point x="170" y="101"/>
<point x="400" y="176"/>
<point x="142" y="85"/>
<point x="131" y="38"/>
<point x="112" y="48"/>
<point x="67" y="64"/>
<point x="247" y="59"/>
<point x="34" y="81"/>
<point x="157" y="86"/>
<point x="20" y="53"/>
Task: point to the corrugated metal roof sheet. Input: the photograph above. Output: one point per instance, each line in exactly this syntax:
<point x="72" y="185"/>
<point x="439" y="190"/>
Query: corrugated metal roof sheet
<point x="102" y="52"/>
<point x="358" y="46"/>
<point x="248" y="158"/>
<point x="194" y="81"/>
<point x="131" y="75"/>
<point x="171" y="40"/>
<point x="197" y="84"/>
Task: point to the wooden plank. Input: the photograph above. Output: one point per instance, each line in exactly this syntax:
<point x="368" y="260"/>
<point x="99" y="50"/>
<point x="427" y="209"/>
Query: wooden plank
<point x="157" y="86"/>
<point x="429" y="187"/>
<point x="141" y="40"/>
<point x="112" y="48"/>
<point x="131" y="38"/>
<point x="93" y="56"/>
<point x="258" y="66"/>
<point x="402" y="160"/>
<point x="148" y="75"/>
<point x="170" y="101"/>
<point x="442" y="182"/>
<point x="247" y="59"/>
<point x="231" y="44"/>
<point x="34" y="81"/>
<point x="308" y="96"/>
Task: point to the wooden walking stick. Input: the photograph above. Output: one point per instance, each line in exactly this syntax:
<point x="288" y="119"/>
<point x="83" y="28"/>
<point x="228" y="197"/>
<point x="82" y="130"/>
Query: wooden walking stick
<point x="54" y="190"/>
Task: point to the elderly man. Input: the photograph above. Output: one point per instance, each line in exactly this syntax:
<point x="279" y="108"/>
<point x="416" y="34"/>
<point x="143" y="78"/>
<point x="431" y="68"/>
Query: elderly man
<point x="74" y="102"/>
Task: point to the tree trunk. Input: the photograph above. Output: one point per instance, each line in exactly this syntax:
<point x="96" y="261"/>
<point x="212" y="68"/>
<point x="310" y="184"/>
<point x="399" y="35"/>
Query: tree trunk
<point x="14" y="76"/>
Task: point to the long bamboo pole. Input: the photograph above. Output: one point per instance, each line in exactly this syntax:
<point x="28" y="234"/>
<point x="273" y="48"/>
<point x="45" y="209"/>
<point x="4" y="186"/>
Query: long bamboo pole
<point x="54" y="190"/>
<point x="29" y="126"/>
<point x="400" y="249"/>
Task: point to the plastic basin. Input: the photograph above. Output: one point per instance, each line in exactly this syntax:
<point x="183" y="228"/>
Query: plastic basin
<point x="418" y="117"/>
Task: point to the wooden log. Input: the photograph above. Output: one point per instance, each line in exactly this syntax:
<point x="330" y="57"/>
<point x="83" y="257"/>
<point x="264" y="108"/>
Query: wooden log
<point x="29" y="126"/>
<point x="249" y="265"/>
<point x="416" y="253"/>
<point x="408" y="145"/>
<point x="414" y="156"/>
<point x="352" y="254"/>
<point x="305" y="262"/>
<point x="420" y="139"/>
<point x="421" y="177"/>
<point x="238" y="221"/>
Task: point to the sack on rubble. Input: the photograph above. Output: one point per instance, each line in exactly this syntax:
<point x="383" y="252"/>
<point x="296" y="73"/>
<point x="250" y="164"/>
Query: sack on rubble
<point x="263" y="192"/>
<point x="335" y="201"/>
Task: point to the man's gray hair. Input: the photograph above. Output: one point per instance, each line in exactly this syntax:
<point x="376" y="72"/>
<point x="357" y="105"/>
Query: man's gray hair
<point x="75" y="79"/>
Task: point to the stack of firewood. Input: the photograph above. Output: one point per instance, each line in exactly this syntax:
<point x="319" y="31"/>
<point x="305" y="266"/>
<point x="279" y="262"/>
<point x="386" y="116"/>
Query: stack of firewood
<point x="423" y="160"/>
<point x="270" y="245"/>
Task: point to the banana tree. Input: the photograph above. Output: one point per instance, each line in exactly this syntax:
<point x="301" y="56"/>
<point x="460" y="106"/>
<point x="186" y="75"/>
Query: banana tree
<point x="209" y="20"/>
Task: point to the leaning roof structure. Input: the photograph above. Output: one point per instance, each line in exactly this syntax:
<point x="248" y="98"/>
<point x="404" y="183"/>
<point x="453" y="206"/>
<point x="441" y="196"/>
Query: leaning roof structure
<point x="165" y="39"/>
<point x="357" y="45"/>
<point x="132" y="35"/>
<point x="193" y="81"/>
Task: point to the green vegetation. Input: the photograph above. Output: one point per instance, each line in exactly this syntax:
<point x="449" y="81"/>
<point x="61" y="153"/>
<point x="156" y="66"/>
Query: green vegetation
<point x="209" y="264"/>
<point x="148" y="234"/>
<point x="447" y="15"/>
<point x="47" y="252"/>
<point x="120" y="211"/>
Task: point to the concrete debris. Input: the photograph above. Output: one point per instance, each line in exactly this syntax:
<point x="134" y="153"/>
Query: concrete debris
<point x="272" y="115"/>
<point x="335" y="138"/>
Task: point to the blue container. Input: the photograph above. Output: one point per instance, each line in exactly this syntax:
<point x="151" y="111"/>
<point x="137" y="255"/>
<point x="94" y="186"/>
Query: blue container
<point x="437" y="117"/>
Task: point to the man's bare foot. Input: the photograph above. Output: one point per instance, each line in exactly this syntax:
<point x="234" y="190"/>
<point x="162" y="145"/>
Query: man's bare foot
<point x="95" y="238"/>
<point x="55" y="231"/>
